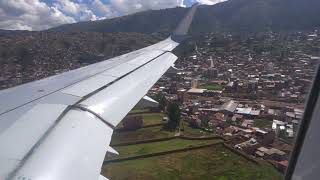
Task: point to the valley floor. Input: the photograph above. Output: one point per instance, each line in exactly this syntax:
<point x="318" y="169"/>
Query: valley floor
<point x="209" y="159"/>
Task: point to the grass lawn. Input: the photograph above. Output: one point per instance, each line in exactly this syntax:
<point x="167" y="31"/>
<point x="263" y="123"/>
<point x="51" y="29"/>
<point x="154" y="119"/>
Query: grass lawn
<point x="146" y="148"/>
<point x="217" y="163"/>
<point x="152" y="118"/>
<point x="194" y="132"/>
<point x="217" y="87"/>
<point x="138" y="110"/>
<point x="141" y="134"/>
<point x="262" y="123"/>
<point x="148" y="118"/>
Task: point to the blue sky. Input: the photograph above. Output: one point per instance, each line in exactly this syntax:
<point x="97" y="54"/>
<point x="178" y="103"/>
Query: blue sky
<point x="44" y="14"/>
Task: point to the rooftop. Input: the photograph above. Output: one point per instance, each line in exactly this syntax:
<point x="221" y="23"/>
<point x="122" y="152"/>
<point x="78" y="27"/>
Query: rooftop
<point x="229" y="106"/>
<point x="196" y="91"/>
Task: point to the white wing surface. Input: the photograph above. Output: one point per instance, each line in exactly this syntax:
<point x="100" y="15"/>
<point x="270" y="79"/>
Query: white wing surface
<point x="60" y="128"/>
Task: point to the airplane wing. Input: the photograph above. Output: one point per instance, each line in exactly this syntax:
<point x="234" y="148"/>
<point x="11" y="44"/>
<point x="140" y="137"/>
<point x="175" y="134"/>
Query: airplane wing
<point x="60" y="128"/>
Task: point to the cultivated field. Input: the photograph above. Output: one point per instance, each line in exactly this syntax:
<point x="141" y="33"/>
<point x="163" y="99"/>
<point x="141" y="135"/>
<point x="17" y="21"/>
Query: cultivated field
<point x="214" y="162"/>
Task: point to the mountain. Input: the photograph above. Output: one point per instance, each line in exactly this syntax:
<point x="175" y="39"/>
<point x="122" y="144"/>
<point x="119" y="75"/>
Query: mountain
<point x="232" y="15"/>
<point x="14" y="32"/>
<point x="258" y="15"/>
<point x="152" y="21"/>
<point x="29" y="56"/>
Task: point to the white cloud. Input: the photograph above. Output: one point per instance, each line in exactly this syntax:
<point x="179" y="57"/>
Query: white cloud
<point x="79" y="11"/>
<point x="210" y="2"/>
<point x="14" y="25"/>
<point x="102" y="9"/>
<point x="30" y="15"/>
<point x="37" y="15"/>
<point x="100" y="6"/>
<point x="180" y="3"/>
<point x="132" y="6"/>
<point x="68" y="7"/>
<point x="88" y="15"/>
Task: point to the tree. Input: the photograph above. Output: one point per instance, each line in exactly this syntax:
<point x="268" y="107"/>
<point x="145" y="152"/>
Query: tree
<point x="132" y="122"/>
<point x="174" y="115"/>
<point x="205" y="120"/>
<point x="162" y="101"/>
<point x="229" y="121"/>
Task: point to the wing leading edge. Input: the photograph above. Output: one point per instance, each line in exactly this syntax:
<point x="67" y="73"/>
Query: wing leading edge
<point x="61" y="127"/>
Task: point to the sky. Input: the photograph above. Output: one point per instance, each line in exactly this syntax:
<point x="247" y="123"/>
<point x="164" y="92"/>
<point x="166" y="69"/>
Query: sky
<point x="44" y="14"/>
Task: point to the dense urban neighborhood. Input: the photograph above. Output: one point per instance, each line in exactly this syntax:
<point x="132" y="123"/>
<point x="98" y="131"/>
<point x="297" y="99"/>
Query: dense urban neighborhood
<point x="250" y="90"/>
<point x="30" y="56"/>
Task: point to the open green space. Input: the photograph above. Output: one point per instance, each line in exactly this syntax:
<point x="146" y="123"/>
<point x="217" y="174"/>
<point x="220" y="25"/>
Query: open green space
<point x="193" y="132"/>
<point x="262" y="123"/>
<point x="148" y="118"/>
<point x="160" y="146"/>
<point x="141" y="134"/>
<point x="154" y="132"/>
<point x="216" y="162"/>
<point x="152" y="118"/>
<point x="212" y="86"/>
<point x="137" y="109"/>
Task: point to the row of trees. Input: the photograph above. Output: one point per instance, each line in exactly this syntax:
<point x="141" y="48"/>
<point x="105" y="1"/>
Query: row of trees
<point x="172" y="109"/>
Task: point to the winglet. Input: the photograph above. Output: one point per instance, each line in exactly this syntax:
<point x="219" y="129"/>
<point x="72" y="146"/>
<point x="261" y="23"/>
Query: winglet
<point x="181" y="32"/>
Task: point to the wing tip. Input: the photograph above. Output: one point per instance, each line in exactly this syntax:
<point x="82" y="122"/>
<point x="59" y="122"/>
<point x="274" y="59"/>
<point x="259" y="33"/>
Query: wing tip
<point x="181" y="32"/>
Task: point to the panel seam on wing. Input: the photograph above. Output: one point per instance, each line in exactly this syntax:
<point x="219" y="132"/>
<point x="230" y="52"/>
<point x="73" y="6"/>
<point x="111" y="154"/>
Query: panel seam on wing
<point x="119" y="78"/>
<point x="38" y="143"/>
<point x="83" y="108"/>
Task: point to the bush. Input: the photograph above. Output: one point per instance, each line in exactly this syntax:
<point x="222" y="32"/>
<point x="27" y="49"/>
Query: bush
<point x="132" y="122"/>
<point x="174" y="115"/>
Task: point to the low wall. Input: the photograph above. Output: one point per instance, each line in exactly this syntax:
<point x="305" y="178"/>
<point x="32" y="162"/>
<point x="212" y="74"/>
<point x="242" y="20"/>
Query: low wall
<point x="200" y="138"/>
<point x="146" y="126"/>
<point x="166" y="139"/>
<point x="247" y="157"/>
<point x="158" y="153"/>
<point x="144" y="141"/>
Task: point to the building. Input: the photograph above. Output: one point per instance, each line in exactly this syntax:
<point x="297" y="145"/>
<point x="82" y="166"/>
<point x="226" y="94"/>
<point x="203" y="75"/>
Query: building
<point x="282" y="165"/>
<point x="271" y="154"/>
<point x="249" y="146"/>
<point x="196" y="91"/>
<point x="211" y="73"/>
<point x="265" y="137"/>
<point x="229" y="107"/>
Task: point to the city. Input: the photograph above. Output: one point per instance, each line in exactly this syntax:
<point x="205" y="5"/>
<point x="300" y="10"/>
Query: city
<point x="175" y="89"/>
<point x="253" y="99"/>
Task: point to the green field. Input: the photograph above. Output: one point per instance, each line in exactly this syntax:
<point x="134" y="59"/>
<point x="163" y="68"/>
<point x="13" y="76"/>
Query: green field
<point x="194" y="132"/>
<point x="148" y="118"/>
<point x="138" y="110"/>
<point x="152" y="118"/>
<point x="146" y="148"/>
<point x="154" y="133"/>
<point x="216" y="87"/>
<point x="262" y="123"/>
<point x="141" y="134"/>
<point x="215" y="162"/>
